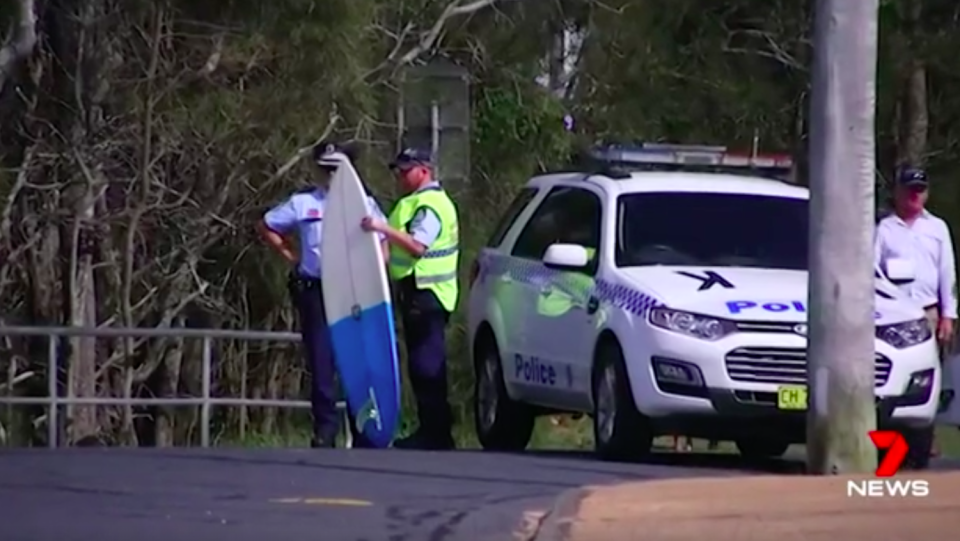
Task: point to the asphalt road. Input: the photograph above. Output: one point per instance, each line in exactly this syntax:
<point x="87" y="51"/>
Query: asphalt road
<point x="102" y="494"/>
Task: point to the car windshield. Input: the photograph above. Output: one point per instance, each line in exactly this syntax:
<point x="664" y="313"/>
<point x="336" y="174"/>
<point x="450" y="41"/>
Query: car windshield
<point x="711" y="229"/>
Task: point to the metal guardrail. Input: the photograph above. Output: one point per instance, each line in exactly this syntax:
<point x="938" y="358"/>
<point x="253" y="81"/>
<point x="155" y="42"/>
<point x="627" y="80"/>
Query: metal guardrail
<point x="205" y="401"/>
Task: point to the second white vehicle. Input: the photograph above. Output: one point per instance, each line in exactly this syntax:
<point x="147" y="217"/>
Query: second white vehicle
<point x="671" y="302"/>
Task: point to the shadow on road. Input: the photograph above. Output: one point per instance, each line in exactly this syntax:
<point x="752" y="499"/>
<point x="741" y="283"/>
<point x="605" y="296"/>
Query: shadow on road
<point x="690" y="460"/>
<point x="465" y="466"/>
<point x="549" y="470"/>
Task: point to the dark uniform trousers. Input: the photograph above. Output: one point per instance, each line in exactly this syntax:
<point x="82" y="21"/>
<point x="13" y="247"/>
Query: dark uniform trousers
<point x="307" y="295"/>
<point x="922" y="440"/>
<point x="424" y="321"/>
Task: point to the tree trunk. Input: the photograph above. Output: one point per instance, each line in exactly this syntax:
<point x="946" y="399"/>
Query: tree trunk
<point x="840" y="352"/>
<point x="168" y="387"/>
<point x="914" y="119"/>
<point x="81" y="302"/>
<point x="84" y="49"/>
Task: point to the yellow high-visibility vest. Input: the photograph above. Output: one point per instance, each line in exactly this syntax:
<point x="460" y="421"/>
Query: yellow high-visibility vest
<point x="436" y="270"/>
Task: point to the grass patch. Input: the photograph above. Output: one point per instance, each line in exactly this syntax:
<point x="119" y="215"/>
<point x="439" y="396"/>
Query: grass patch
<point x="948" y="439"/>
<point x="554" y="432"/>
<point x="557" y="432"/>
<point x="562" y="432"/>
<point x="296" y="438"/>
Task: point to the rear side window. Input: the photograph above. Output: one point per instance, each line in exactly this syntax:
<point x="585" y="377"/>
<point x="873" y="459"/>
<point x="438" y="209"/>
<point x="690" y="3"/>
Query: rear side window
<point x="519" y="203"/>
<point x="567" y="215"/>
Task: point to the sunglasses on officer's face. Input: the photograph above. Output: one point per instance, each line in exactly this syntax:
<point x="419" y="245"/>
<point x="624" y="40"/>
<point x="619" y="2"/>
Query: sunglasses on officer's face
<point x="400" y="171"/>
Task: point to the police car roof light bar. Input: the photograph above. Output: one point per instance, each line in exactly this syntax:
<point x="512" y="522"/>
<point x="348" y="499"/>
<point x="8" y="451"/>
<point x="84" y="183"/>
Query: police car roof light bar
<point x="651" y="154"/>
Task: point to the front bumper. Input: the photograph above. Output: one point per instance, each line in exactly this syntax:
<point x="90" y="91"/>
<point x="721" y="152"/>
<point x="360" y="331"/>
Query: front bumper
<point x="745" y="414"/>
<point x="725" y="399"/>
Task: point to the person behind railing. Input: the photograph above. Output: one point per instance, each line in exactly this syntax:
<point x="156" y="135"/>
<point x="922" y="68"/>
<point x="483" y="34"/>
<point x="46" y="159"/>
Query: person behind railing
<point x="302" y="214"/>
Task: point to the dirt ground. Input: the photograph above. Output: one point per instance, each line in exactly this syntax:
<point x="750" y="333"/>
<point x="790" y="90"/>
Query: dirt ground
<point x="757" y="508"/>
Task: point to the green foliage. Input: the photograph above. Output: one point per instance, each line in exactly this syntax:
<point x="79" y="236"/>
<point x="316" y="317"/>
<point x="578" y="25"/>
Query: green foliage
<point x="692" y="75"/>
<point x="509" y="119"/>
<point x="8" y="11"/>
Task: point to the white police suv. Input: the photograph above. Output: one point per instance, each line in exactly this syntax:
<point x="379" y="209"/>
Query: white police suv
<point x="670" y="299"/>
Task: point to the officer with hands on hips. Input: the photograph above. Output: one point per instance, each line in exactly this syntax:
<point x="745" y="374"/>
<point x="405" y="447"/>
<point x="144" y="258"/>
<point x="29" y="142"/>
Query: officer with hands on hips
<point x="423" y="235"/>
<point x="302" y="214"/>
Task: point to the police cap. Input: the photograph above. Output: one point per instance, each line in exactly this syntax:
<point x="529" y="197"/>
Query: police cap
<point x="322" y="153"/>
<point x="912" y="177"/>
<point x="412" y="157"/>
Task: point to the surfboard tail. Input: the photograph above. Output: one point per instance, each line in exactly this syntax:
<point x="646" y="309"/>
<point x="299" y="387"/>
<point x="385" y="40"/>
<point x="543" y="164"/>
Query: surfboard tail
<point x="369" y="412"/>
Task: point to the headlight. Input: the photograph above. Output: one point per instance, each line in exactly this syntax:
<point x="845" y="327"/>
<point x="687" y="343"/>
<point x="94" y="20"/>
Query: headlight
<point x="703" y="327"/>
<point x="906" y="334"/>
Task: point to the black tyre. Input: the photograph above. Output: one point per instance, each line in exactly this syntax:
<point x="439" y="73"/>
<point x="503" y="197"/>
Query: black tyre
<point x="920" y="441"/>
<point x="758" y="449"/>
<point x="620" y="432"/>
<point x="501" y="424"/>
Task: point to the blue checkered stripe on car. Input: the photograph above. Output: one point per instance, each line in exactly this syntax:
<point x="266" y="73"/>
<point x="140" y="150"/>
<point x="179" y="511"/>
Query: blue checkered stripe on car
<point x="535" y="273"/>
<point x="625" y="298"/>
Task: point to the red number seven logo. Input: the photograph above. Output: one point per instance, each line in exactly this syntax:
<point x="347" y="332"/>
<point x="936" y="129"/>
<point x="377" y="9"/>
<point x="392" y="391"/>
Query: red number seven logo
<point x="896" y="448"/>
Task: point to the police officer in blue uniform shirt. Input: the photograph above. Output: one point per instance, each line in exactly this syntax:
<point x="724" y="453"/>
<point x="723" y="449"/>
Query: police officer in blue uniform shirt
<point x="423" y="235"/>
<point x="302" y="214"/>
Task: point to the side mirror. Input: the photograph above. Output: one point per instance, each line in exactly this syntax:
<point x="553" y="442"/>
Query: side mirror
<point x="566" y="257"/>
<point x="901" y="271"/>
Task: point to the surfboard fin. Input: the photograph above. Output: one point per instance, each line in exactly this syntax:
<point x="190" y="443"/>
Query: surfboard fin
<point x="369" y="412"/>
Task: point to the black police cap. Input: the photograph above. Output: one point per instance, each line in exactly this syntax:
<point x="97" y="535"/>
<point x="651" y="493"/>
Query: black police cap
<point x="323" y="150"/>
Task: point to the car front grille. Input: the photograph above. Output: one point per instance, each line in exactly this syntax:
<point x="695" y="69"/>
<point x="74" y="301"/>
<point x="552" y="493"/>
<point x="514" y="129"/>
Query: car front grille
<point x="783" y="365"/>
<point x="766" y="326"/>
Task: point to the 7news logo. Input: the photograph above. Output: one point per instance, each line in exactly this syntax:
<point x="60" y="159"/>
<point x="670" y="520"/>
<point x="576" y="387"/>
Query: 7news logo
<point x="896" y="448"/>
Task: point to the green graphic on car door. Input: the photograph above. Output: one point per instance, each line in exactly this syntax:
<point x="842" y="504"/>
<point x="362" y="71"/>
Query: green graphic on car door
<point x="562" y="291"/>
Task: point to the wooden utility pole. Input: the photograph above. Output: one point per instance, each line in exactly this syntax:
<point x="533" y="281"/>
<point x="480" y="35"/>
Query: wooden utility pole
<point x="841" y="295"/>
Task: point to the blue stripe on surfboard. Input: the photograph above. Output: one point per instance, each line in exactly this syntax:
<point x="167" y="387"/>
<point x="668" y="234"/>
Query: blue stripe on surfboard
<point x="365" y="349"/>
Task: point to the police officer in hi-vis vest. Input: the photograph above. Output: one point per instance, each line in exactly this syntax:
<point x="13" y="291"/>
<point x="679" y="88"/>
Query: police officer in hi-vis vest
<point x="302" y="214"/>
<point x="423" y="235"/>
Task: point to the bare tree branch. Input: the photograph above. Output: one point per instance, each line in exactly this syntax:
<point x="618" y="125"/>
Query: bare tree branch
<point x="142" y="198"/>
<point x="773" y="50"/>
<point x="213" y="61"/>
<point x="23" y="39"/>
<point x="19" y="184"/>
<point x="17" y="378"/>
<point x="429" y="38"/>
<point x="304" y="151"/>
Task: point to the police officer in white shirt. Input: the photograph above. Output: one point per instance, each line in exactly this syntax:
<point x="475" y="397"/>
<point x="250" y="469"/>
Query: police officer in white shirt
<point x="912" y="232"/>
<point x="301" y="215"/>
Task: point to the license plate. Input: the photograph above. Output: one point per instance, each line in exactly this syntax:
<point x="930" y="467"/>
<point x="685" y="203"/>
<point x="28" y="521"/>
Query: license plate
<point x="792" y="397"/>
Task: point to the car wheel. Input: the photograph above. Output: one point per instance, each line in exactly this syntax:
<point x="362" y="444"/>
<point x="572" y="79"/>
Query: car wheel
<point x="920" y="441"/>
<point x="620" y="432"/>
<point x="502" y="424"/>
<point x="756" y="449"/>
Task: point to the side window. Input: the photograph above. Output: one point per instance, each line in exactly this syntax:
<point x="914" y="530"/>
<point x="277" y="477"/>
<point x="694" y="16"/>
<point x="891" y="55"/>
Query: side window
<point x="568" y="215"/>
<point x="519" y="203"/>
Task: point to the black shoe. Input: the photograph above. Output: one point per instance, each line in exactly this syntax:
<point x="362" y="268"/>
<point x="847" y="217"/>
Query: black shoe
<point x="419" y="440"/>
<point x="921" y="447"/>
<point x="361" y="442"/>
<point x="322" y="443"/>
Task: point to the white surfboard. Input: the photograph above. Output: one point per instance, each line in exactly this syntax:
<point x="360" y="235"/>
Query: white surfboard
<point x="356" y="294"/>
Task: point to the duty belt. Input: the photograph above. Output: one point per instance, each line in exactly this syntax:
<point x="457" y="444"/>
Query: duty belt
<point x="303" y="282"/>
